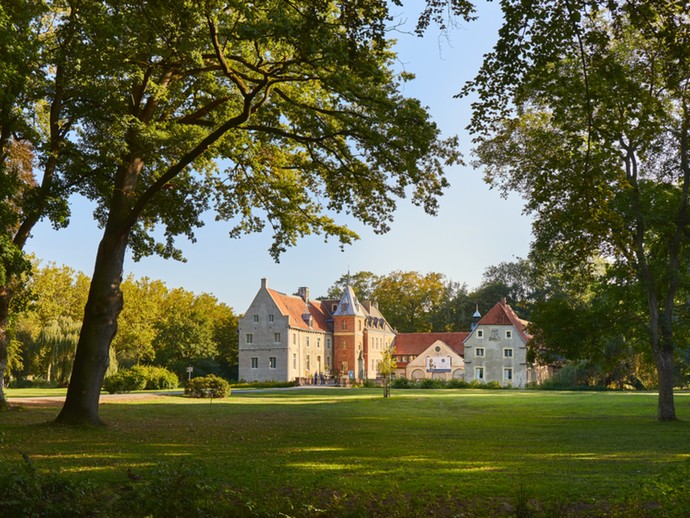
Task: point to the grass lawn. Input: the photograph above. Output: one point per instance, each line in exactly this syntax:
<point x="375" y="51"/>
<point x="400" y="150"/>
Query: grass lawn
<point x="589" y="453"/>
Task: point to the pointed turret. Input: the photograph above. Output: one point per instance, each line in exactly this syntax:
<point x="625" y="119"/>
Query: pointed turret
<point x="349" y="304"/>
<point x="475" y="318"/>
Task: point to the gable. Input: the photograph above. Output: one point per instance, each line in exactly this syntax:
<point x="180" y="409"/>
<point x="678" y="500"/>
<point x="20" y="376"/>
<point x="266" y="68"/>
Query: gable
<point x="443" y="350"/>
<point x="503" y="315"/>
<point x="414" y="344"/>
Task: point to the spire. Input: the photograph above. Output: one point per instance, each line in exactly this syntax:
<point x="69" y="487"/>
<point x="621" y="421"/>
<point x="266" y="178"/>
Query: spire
<point x="475" y="318"/>
<point x="349" y="304"/>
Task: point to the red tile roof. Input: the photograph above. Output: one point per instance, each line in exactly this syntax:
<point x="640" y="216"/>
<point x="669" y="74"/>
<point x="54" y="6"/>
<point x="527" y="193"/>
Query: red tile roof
<point x="294" y="308"/>
<point x="417" y="343"/>
<point x="503" y="315"/>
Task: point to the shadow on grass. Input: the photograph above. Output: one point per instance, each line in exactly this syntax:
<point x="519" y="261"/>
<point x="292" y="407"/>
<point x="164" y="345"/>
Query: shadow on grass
<point x="570" y="448"/>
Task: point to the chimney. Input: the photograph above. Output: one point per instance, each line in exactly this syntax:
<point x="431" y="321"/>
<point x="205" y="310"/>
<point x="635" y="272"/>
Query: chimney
<point x="304" y="293"/>
<point x="264" y="283"/>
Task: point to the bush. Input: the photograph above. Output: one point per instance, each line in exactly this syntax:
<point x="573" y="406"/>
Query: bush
<point x="457" y="383"/>
<point x="402" y="383"/>
<point x="207" y="386"/>
<point x="124" y="381"/>
<point x="157" y="378"/>
<point x="32" y="383"/>
<point x="430" y="383"/>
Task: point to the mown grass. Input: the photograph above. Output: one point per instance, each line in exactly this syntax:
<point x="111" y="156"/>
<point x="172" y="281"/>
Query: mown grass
<point x="587" y="452"/>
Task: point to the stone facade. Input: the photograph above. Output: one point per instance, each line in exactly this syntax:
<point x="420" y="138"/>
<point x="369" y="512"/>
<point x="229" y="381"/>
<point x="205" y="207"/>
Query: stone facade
<point x="290" y="337"/>
<point x="496" y="349"/>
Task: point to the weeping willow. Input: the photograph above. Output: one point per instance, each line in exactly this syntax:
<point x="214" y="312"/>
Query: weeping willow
<point x="59" y="341"/>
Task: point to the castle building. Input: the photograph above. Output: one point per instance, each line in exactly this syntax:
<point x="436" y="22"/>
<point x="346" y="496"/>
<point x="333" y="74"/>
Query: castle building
<point x="291" y="337"/>
<point x="496" y="349"/>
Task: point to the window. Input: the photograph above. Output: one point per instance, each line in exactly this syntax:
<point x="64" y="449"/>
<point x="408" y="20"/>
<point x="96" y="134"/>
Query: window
<point x="250" y="338"/>
<point x="507" y="353"/>
<point x="360" y="325"/>
<point x="276" y="337"/>
<point x="272" y="362"/>
<point x="307" y="362"/>
<point x="507" y="374"/>
<point x="318" y="343"/>
<point x="479" y="351"/>
<point x="307" y="341"/>
<point x="256" y="318"/>
<point x="480" y="333"/>
<point x="255" y="362"/>
<point x="270" y="318"/>
<point x="294" y="360"/>
<point x="328" y="343"/>
<point x="479" y="373"/>
<point x="328" y="362"/>
<point x="344" y="325"/>
<point x="294" y="338"/>
<point x="509" y="335"/>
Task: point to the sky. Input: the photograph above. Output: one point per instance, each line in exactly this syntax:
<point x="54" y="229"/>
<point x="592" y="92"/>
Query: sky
<point x="475" y="227"/>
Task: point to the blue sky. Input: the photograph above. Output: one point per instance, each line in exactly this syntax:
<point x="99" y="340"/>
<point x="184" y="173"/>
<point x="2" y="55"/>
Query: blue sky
<point x="475" y="227"/>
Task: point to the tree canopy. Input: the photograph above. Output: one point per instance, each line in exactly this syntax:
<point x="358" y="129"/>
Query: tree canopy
<point x="583" y="108"/>
<point x="282" y="114"/>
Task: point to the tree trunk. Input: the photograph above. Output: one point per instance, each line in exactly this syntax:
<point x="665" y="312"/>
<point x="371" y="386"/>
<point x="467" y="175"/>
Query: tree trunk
<point x="663" y="357"/>
<point x="661" y="338"/>
<point x="4" y="319"/>
<point x="98" y="330"/>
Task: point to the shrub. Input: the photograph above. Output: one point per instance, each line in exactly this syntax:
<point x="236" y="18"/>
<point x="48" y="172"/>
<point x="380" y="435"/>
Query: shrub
<point x="430" y="383"/>
<point x="124" y="381"/>
<point x="207" y="386"/>
<point x="402" y="383"/>
<point x="457" y="383"/>
<point x="32" y="383"/>
<point x="492" y="385"/>
<point x="157" y="378"/>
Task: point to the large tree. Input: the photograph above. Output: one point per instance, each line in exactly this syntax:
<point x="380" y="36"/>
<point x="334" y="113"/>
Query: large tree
<point x="137" y="330"/>
<point x="39" y="95"/>
<point x="298" y="99"/>
<point x="409" y="300"/>
<point x="364" y="283"/>
<point x="584" y="108"/>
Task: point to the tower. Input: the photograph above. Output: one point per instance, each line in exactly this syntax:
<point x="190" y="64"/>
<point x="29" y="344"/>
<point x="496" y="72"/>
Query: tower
<point x="349" y="352"/>
<point x="475" y="318"/>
